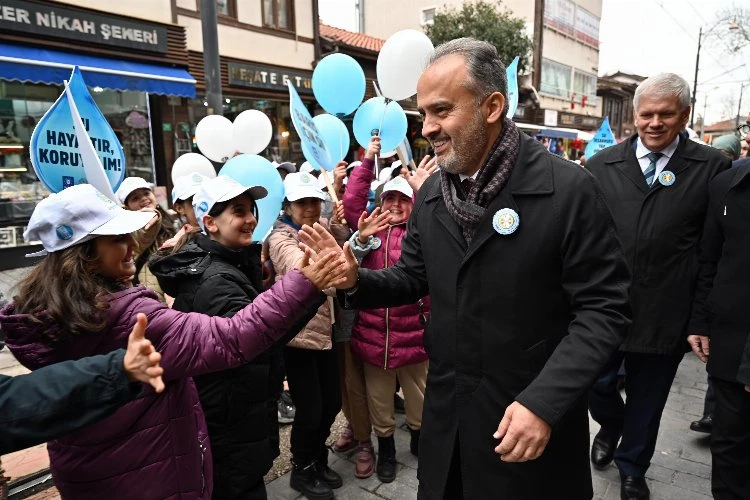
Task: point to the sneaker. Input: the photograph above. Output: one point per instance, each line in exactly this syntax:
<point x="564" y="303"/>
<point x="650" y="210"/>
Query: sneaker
<point x="346" y="441"/>
<point x="365" y="466"/>
<point x="286" y="408"/>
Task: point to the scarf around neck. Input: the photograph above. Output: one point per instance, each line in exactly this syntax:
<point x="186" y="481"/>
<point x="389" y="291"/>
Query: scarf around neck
<point x="491" y="178"/>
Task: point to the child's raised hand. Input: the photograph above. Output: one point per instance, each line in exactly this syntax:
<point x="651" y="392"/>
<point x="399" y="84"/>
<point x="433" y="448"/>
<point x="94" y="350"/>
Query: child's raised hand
<point x="373" y="148"/>
<point x="370" y="225"/>
<point x="339" y="174"/>
<point x="426" y="168"/>
<point x="328" y="270"/>
<point x="338" y="213"/>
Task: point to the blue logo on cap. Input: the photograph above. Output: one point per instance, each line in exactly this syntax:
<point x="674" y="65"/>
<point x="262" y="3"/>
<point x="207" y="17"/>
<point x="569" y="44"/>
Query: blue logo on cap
<point x="64" y="232"/>
<point x="203" y="207"/>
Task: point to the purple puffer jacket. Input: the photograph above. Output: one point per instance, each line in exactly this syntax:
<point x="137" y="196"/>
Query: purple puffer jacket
<point x="156" y="447"/>
<point x="392" y="337"/>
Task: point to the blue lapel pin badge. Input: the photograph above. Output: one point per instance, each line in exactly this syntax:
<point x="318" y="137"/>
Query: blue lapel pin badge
<point x="667" y="178"/>
<point x="376" y="242"/>
<point x="505" y="221"/>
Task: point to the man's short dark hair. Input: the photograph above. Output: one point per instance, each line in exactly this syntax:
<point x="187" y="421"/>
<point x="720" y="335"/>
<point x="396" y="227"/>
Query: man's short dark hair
<point x="486" y="71"/>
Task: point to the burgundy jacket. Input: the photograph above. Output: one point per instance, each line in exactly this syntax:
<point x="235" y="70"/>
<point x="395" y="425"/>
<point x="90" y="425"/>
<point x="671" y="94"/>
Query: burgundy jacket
<point x="156" y="447"/>
<point x="387" y="337"/>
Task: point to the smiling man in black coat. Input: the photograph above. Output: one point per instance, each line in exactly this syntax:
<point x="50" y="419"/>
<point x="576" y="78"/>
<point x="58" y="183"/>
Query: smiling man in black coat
<point x="656" y="184"/>
<point x="518" y="252"/>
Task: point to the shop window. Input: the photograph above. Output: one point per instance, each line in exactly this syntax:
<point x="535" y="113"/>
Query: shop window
<point x="556" y="79"/>
<point x="22" y="105"/>
<point x="278" y="14"/>
<point x="227" y="8"/>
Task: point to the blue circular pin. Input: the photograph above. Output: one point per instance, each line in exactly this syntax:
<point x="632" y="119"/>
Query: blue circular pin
<point x="376" y="242"/>
<point x="667" y="178"/>
<point x="64" y="232"/>
<point x="505" y="221"/>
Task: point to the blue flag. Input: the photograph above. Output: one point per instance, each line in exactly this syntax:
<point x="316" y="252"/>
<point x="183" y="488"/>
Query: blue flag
<point x="74" y="144"/>
<point x="603" y="138"/>
<point x="313" y="145"/>
<point x="512" y="72"/>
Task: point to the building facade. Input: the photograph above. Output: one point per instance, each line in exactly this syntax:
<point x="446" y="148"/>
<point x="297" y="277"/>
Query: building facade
<point x="564" y="94"/>
<point x="143" y="63"/>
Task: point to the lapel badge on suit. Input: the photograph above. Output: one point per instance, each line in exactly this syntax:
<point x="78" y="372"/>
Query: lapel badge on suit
<point x="505" y="221"/>
<point x="667" y="178"/>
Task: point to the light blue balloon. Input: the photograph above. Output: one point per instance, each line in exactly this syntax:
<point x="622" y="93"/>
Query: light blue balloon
<point x="310" y="157"/>
<point x="254" y="170"/>
<point x="338" y="83"/>
<point x="335" y="135"/>
<point x="55" y="154"/>
<point x="375" y="117"/>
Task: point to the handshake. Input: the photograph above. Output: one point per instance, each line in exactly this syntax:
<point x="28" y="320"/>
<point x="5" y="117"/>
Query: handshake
<point x="325" y="263"/>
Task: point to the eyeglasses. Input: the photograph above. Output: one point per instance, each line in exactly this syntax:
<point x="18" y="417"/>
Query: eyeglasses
<point x="744" y="129"/>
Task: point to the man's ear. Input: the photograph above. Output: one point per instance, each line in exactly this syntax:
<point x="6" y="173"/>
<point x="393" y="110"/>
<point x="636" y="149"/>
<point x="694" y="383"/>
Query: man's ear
<point x="495" y="104"/>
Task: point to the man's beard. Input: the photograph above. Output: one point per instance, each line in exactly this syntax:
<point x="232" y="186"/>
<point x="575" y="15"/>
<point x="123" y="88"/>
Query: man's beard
<point x="466" y="148"/>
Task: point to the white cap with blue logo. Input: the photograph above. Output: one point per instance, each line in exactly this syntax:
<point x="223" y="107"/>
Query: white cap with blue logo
<point x="186" y="186"/>
<point x="218" y="189"/>
<point x="78" y="214"/>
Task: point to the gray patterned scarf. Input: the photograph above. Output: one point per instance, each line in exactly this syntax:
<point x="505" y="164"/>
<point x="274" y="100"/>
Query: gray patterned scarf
<point x="493" y="175"/>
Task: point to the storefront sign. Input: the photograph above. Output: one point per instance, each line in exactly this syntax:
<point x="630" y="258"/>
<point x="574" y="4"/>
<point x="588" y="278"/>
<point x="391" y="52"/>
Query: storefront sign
<point x="550" y="118"/>
<point x="258" y="76"/>
<point x="38" y="19"/>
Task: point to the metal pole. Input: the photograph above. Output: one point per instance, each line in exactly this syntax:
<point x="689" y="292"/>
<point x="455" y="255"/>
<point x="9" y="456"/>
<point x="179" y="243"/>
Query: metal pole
<point x="695" y="82"/>
<point x="703" y="118"/>
<point x="739" y="106"/>
<point x="211" y="57"/>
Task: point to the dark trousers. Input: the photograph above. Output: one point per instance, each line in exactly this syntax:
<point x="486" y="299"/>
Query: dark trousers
<point x="730" y="442"/>
<point x="314" y="384"/>
<point x="647" y="382"/>
<point x="709" y="404"/>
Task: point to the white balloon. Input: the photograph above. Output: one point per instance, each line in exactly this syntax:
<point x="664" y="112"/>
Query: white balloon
<point x="388" y="154"/>
<point x="192" y="163"/>
<point x="401" y="61"/>
<point x="214" y="137"/>
<point x="252" y="132"/>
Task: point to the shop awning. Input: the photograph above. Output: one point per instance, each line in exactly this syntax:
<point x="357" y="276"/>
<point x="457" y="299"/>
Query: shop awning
<point x="556" y="132"/>
<point x="36" y="65"/>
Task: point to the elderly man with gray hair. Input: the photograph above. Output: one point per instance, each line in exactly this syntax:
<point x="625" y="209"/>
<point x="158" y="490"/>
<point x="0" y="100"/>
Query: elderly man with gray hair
<point x="656" y="184"/>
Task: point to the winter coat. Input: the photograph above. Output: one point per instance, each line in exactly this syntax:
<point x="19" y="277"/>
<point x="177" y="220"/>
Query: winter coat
<point x="240" y="403"/>
<point x="157" y="446"/>
<point x="720" y="308"/>
<point x="284" y="252"/>
<point x="61" y="398"/>
<point x="531" y="316"/>
<point x="660" y="228"/>
<point x="386" y="337"/>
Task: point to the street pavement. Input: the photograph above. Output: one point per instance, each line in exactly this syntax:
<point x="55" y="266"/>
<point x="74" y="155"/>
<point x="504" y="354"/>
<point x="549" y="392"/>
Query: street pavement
<point x="680" y="470"/>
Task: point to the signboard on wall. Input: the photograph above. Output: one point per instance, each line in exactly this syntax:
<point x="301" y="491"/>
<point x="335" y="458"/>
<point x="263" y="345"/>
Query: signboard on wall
<point x="560" y="14"/>
<point x="587" y="27"/>
<point x="28" y="17"/>
<point x="260" y="76"/>
<point x="550" y="118"/>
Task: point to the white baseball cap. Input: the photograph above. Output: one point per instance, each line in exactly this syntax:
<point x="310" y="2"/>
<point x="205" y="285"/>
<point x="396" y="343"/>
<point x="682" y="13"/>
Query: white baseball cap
<point x="218" y="189"/>
<point x="353" y="164"/>
<point x="397" y="184"/>
<point x="385" y="175"/>
<point x="302" y="185"/>
<point x="130" y="184"/>
<point x="186" y="186"/>
<point x="306" y="167"/>
<point x="78" y="214"/>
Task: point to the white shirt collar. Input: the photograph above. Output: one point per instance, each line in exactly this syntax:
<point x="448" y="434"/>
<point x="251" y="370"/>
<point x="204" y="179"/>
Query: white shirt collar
<point x="641" y="150"/>
<point x="462" y="177"/>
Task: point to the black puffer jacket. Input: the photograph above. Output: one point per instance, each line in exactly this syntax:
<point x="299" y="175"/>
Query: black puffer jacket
<point x="239" y="404"/>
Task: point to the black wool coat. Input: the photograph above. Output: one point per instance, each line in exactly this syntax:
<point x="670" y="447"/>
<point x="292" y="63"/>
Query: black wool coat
<point x="531" y="316"/>
<point x="720" y="308"/>
<point x="660" y="228"/>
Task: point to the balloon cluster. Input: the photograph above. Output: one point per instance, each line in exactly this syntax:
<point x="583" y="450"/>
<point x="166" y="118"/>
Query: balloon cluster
<point x="339" y="86"/>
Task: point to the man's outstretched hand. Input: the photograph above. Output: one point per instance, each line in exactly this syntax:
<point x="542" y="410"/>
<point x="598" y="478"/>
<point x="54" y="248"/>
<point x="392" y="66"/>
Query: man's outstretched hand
<point x="317" y="240"/>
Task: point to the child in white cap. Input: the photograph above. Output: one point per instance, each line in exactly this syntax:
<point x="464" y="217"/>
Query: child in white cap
<point x="310" y="362"/>
<point x="135" y="193"/>
<point x="79" y="301"/>
<point x="185" y="187"/>
<point x="215" y="269"/>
